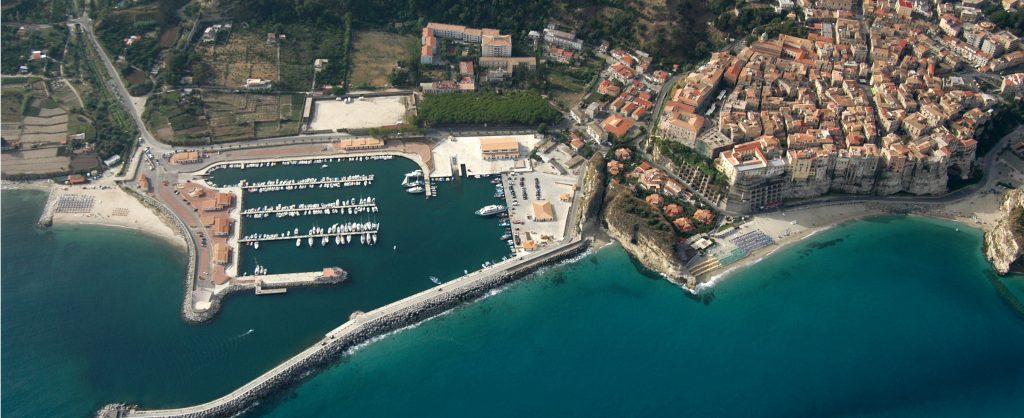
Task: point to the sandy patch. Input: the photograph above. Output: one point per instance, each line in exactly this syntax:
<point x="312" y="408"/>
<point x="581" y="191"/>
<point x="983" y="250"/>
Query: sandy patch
<point x="115" y="207"/>
<point x="367" y="113"/>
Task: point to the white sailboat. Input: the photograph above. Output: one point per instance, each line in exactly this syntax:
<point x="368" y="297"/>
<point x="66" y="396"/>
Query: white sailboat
<point x="298" y="242"/>
<point x="310" y="241"/>
<point x="256" y="245"/>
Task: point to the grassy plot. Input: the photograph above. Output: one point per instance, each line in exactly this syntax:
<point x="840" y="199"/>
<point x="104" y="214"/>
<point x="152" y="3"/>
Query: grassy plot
<point x="568" y="84"/>
<point x="374" y="55"/>
<point x="222" y="117"/>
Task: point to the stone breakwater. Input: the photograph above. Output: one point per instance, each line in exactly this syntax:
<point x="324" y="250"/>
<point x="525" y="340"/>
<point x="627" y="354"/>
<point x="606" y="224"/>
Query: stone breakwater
<point x="361" y="329"/>
<point x="193" y="315"/>
<point x="46" y="218"/>
<point x="188" y="313"/>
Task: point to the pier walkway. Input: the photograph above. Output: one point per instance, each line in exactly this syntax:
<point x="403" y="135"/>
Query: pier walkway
<point x="237" y="399"/>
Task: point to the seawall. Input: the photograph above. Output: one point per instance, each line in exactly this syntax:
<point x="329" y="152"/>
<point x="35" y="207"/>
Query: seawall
<point x="361" y="329"/>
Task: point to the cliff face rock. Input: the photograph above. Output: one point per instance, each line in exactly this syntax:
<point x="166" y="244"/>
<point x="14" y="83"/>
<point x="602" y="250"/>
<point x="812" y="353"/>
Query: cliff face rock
<point x="644" y="234"/>
<point x="593" y="191"/>
<point x="1004" y="243"/>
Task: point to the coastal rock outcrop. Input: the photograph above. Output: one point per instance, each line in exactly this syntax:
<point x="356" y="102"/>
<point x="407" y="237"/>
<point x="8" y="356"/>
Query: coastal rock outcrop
<point x="644" y="233"/>
<point x="593" y="192"/>
<point x="1004" y="243"/>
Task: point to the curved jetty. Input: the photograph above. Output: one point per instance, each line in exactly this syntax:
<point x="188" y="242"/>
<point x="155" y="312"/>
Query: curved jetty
<point x="361" y="328"/>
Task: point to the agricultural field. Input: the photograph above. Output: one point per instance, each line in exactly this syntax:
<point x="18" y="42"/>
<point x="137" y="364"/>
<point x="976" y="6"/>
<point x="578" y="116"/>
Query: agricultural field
<point x="243" y="116"/>
<point x="374" y="55"/>
<point x="37" y="117"/>
<point x="222" y="117"/>
<point x="287" y="62"/>
<point x="245" y="55"/>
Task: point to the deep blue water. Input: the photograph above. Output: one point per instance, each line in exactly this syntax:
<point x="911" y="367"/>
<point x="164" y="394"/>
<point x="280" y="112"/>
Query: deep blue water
<point x="887" y="317"/>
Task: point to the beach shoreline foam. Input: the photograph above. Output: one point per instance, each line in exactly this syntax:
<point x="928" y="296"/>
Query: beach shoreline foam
<point x="792" y="226"/>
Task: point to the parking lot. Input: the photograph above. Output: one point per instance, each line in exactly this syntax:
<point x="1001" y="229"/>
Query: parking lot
<point x="523" y="190"/>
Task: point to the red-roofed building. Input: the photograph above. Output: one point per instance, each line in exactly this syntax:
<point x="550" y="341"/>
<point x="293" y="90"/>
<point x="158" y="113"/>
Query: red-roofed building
<point x="623" y="154"/>
<point x="655" y="200"/>
<point x="617" y="125"/>
<point x="704" y="216"/>
<point x="684" y="224"/>
<point x="615" y="167"/>
<point x="673" y="210"/>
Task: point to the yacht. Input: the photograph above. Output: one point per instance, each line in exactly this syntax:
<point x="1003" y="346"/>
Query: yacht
<point x="414" y="190"/>
<point x="413" y="178"/>
<point x="490" y="210"/>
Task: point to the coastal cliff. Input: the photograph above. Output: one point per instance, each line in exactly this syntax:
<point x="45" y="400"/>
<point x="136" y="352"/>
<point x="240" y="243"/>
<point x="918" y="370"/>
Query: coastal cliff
<point x="593" y="192"/>
<point x="1004" y="243"/>
<point x="644" y="233"/>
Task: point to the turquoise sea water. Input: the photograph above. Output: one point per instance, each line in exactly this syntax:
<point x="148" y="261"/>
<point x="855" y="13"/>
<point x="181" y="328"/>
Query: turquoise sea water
<point x="887" y="317"/>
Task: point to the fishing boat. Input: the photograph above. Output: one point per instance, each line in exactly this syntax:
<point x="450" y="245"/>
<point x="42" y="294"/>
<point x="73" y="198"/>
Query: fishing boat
<point x="490" y="210"/>
<point x="414" y="190"/>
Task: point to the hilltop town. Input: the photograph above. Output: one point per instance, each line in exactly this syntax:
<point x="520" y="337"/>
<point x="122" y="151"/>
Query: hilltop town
<point x="806" y="101"/>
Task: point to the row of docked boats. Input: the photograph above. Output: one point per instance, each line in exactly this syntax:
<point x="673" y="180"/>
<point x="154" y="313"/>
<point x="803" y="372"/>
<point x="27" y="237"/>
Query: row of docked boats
<point x="261" y="164"/>
<point x="306" y="183"/>
<point x="341" y="233"/>
<point x="351" y="206"/>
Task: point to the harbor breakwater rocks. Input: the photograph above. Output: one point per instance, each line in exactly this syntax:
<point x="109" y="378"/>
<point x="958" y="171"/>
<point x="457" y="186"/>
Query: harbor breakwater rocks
<point x="194" y="316"/>
<point x="358" y="330"/>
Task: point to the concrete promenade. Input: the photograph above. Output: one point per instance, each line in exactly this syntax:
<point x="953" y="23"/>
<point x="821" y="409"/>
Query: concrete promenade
<point x="364" y="326"/>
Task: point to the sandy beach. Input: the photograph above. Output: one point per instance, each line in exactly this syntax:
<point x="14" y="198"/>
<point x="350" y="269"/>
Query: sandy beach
<point x="788" y="227"/>
<point x="116" y="208"/>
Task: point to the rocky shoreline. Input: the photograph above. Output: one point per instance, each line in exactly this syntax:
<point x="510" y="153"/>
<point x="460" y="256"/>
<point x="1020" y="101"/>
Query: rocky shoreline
<point x="332" y="349"/>
<point x="1004" y="243"/>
